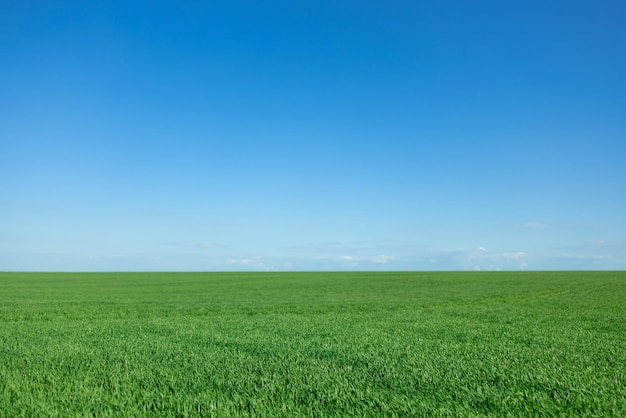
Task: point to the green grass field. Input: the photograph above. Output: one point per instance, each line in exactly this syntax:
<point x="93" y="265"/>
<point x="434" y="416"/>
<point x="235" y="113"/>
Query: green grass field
<point x="313" y="344"/>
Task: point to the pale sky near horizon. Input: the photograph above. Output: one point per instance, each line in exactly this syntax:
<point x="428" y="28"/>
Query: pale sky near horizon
<point x="319" y="135"/>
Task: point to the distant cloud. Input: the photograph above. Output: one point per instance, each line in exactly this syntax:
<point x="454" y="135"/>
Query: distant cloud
<point x="517" y="255"/>
<point x="248" y="262"/>
<point x="481" y="258"/>
<point x="378" y="259"/>
<point x="532" y="225"/>
<point x="596" y="253"/>
<point x="382" y="259"/>
<point x="584" y="261"/>
<point x="345" y="260"/>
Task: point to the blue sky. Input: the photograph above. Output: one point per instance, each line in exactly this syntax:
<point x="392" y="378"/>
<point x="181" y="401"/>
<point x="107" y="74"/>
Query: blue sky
<point x="325" y="135"/>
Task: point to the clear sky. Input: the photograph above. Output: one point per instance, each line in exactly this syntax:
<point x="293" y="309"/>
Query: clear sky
<point x="312" y="135"/>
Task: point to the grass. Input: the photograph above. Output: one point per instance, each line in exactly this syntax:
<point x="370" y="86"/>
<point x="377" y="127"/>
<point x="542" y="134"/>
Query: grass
<point x="313" y="344"/>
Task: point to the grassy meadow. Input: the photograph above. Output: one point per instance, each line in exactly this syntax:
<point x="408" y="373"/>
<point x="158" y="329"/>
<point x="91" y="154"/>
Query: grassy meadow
<point x="313" y="344"/>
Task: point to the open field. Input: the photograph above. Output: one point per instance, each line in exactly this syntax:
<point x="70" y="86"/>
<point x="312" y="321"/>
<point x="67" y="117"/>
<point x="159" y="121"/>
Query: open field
<point x="304" y="344"/>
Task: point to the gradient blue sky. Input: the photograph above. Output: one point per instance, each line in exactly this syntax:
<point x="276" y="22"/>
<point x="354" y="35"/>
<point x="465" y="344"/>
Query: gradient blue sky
<point x="312" y="135"/>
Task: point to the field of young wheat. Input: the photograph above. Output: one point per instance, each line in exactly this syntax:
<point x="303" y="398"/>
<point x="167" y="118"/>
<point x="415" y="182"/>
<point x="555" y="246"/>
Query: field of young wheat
<point x="313" y="344"/>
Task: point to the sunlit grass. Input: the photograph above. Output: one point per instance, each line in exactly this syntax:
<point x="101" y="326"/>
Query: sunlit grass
<point x="313" y="344"/>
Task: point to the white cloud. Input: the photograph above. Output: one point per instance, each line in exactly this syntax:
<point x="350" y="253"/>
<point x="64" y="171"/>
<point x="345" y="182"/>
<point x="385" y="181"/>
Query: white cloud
<point x="382" y="259"/>
<point x="378" y="259"/>
<point x="248" y="262"/>
<point x="483" y="259"/>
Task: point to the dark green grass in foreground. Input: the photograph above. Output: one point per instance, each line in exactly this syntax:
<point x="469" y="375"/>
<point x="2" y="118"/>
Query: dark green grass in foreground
<point x="322" y="344"/>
